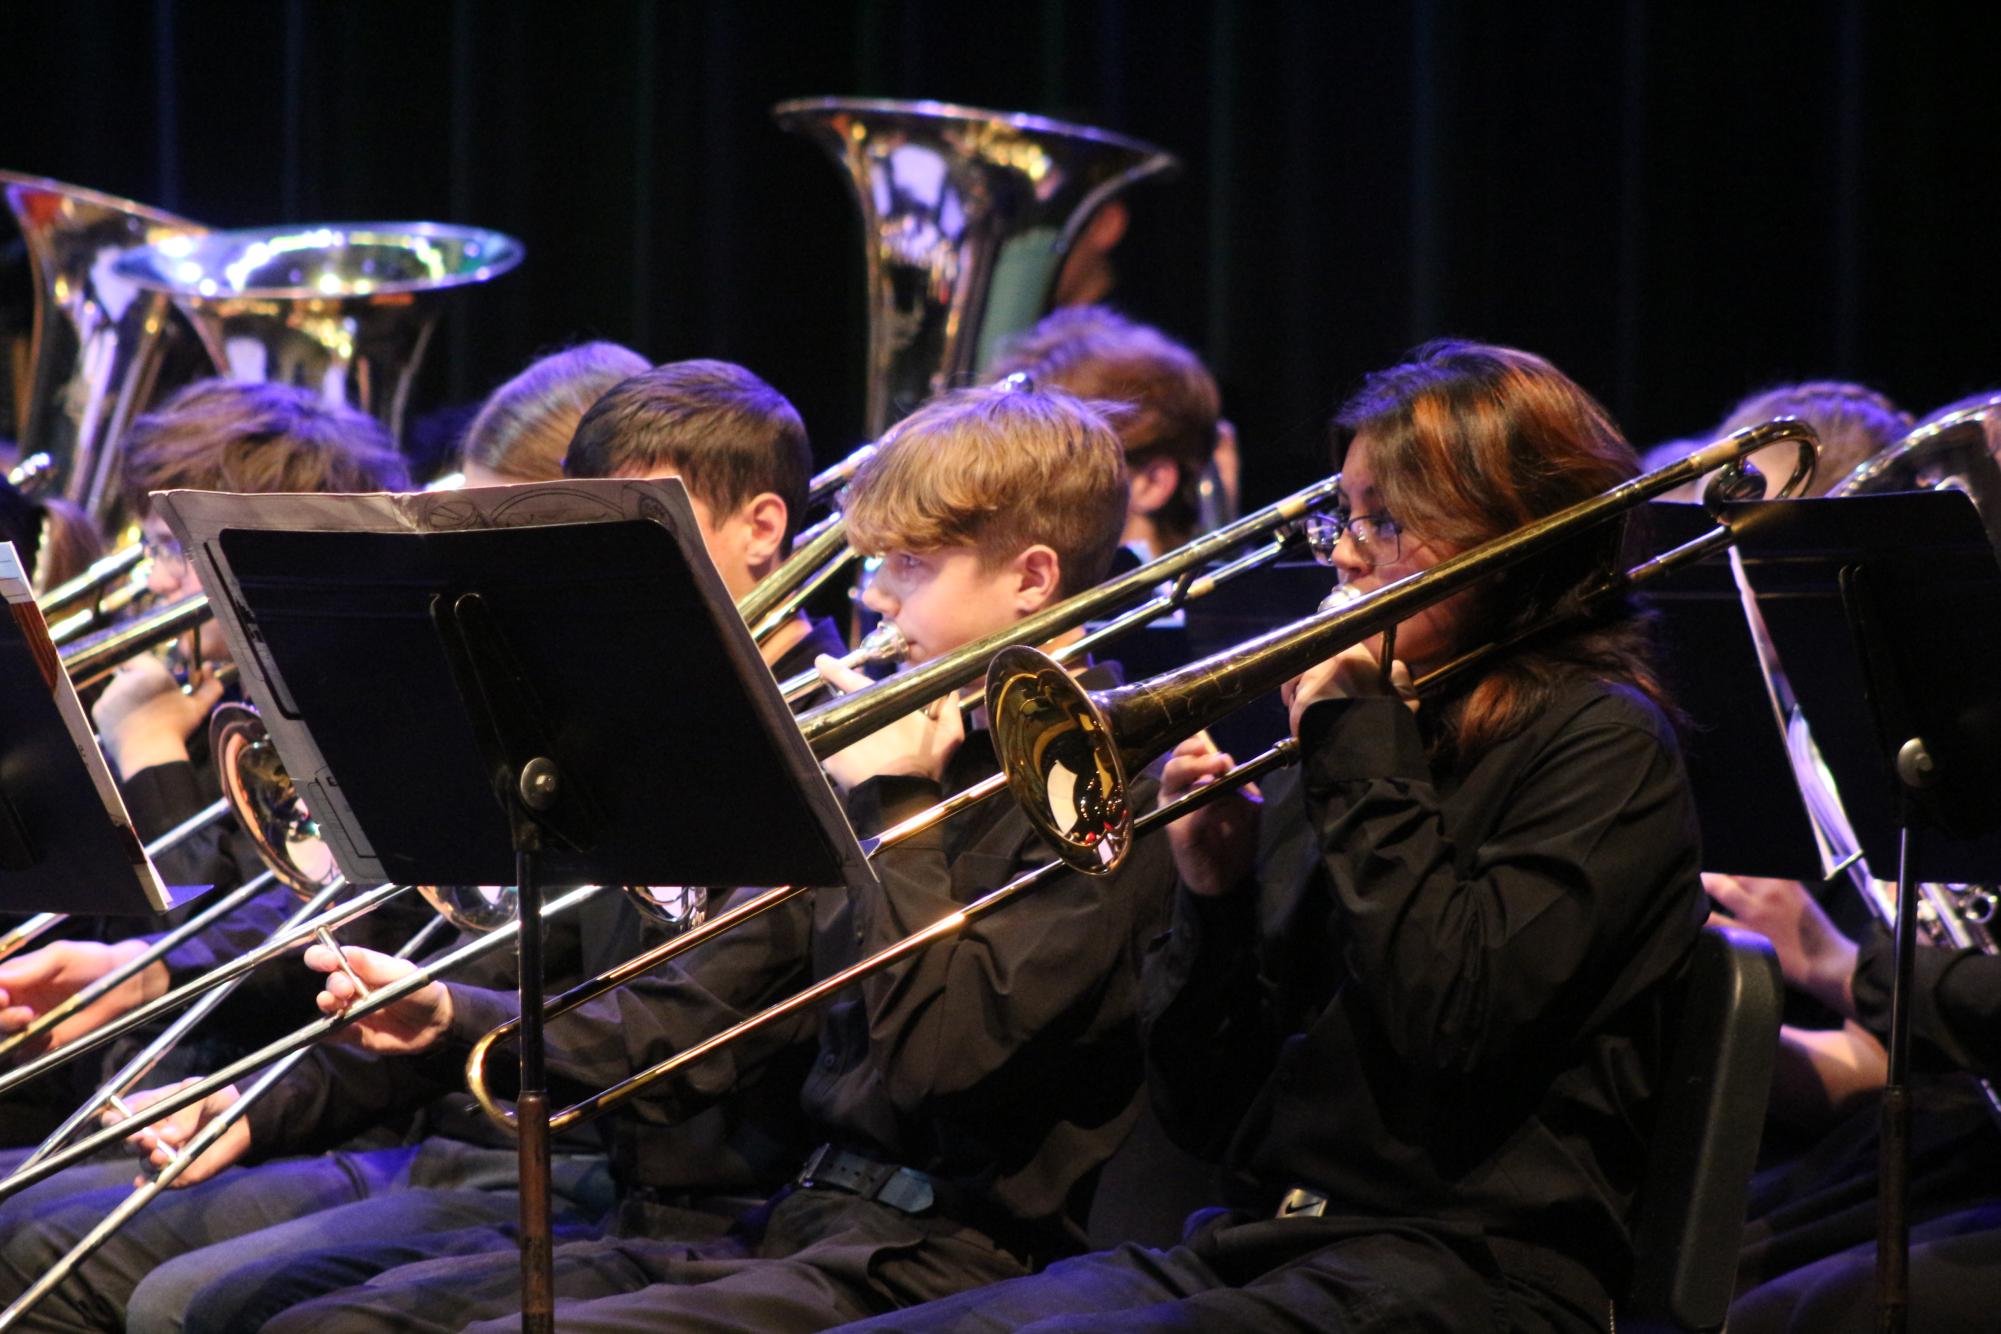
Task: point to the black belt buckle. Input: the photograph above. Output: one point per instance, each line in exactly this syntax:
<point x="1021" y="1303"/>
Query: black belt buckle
<point x="901" y="1188"/>
<point x="1300" y="1202"/>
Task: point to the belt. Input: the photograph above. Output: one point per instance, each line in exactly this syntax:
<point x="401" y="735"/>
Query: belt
<point x="902" y="1188"/>
<point x="1299" y="1202"/>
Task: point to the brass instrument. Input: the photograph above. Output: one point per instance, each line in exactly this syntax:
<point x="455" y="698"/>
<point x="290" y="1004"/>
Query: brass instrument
<point x="883" y="644"/>
<point x="1181" y="570"/>
<point x="99" y="344"/>
<point x="344" y="309"/>
<point x="1065" y="753"/>
<point x="48" y="1279"/>
<point x="104" y="590"/>
<point x="1954" y="449"/>
<point x="1187" y="587"/>
<point x="89" y="661"/>
<point x="820" y="552"/>
<point x="967" y="216"/>
<point x="841" y="722"/>
<point x="196" y="1090"/>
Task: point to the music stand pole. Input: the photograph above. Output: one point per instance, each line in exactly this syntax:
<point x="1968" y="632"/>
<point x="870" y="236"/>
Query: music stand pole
<point x="507" y="723"/>
<point x="1893" y="1220"/>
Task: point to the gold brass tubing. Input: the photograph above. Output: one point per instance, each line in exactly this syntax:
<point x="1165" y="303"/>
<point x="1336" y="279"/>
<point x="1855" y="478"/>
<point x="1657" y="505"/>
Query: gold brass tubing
<point x="814" y="548"/>
<point x="825" y="484"/>
<point x="1029" y="696"/>
<point x="799" y="596"/>
<point x="646" y="961"/>
<point x="199" y="1143"/>
<point x="1282" y="754"/>
<point x="101" y="575"/>
<point x="90" y="660"/>
<point x="841" y="722"/>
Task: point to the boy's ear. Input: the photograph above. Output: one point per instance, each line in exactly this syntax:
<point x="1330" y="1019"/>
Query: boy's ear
<point x="1040" y="573"/>
<point x="764" y="518"/>
<point x="1154" y="483"/>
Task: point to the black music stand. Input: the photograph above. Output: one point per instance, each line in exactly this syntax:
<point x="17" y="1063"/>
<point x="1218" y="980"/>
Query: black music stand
<point x="536" y="685"/>
<point x="1886" y="611"/>
<point x="1754" y="820"/>
<point x="66" y="841"/>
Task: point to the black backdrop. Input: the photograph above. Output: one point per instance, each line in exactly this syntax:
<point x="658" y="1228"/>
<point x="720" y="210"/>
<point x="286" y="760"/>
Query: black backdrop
<point x="1675" y="202"/>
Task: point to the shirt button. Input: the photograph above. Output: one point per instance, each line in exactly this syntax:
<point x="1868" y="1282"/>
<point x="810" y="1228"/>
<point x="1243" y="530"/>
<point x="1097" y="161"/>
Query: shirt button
<point x="826" y="1060"/>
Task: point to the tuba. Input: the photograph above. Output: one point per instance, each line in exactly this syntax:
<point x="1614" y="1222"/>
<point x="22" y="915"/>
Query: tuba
<point x="967" y="217"/>
<point x="345" y="309"/>
<point x="99" y="341"/>
<point x="1954" y="449"/>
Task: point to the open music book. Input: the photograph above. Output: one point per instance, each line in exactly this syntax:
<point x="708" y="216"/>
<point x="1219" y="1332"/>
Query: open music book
<point x="609" y="644"/>
<point x="66" y="841"/>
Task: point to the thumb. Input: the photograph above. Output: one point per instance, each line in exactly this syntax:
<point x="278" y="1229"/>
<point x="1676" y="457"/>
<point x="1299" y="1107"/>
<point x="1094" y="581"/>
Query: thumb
<point x="209" y="693"/>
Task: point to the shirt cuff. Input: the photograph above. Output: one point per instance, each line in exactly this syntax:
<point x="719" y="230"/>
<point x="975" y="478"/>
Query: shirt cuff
<point x="1876" y="974"/>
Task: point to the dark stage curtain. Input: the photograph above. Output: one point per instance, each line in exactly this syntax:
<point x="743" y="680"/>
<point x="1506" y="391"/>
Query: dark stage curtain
<point x="1677" y="203"/>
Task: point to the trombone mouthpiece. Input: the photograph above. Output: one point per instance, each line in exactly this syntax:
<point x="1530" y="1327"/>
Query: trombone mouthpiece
<point x="1341" y="595"/>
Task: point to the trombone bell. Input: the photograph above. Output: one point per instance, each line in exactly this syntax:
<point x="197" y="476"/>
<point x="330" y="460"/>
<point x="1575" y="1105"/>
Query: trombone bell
<point x="1057" y="748"/>
<point x="266" y="801"/>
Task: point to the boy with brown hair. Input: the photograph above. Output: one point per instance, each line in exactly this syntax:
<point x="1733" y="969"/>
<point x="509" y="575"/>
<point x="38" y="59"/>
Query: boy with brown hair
<point x="967" y="1097"/>
<point x="1169" y="416"/>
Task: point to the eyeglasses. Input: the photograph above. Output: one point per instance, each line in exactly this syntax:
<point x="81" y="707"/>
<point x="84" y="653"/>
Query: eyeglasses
<point x="1378" y="538"/>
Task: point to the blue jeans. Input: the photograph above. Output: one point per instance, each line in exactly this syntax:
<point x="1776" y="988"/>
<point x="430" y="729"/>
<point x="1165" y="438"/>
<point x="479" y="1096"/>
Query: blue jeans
<point x="144" y="1276"/>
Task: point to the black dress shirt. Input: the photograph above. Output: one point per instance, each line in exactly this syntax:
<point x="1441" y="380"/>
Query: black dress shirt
<point x="1443" y="1002"/>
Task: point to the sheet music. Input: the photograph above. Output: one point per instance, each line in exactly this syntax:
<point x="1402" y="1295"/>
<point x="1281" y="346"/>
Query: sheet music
<point x="120" y="843"/>
<point x="199" y="519"/>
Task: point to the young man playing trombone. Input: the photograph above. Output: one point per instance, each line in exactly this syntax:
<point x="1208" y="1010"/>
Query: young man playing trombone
<point x="965" y="1098"/>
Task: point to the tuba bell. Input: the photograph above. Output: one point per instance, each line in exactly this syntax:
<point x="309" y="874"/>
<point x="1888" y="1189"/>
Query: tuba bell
<point x="967" y="217"/>
<point x="99" y="341"/>
<point x="1954" y="449"/>
<point x="344" y="309"/>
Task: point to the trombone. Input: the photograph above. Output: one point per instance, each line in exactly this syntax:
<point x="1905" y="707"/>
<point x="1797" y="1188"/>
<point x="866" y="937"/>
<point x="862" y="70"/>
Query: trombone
<point x="1181" y="570"/>
<point x="1045" y="725"/>
<point x="818" y="554"/>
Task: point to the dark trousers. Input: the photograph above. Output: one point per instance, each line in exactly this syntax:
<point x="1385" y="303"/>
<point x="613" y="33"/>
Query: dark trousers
<point x="1363" y="1277"/>
<point x="812" y="1260"/>
<point x="143" y="1278"/>
<point x="1955" y="1279"/>
<point x="1809" y="1258"/>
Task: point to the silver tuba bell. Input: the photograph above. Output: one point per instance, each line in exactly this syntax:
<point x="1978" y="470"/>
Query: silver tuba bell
<point x="99" y="340"/>
<point x="1954" y="449"/>
<point x="967" y="216"/>
<point x="345" y="309"/>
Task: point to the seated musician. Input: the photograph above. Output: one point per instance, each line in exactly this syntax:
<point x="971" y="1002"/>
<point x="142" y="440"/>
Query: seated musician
<point x="1810" y="1252"/>
<point x="966" y="1098"/>
<point x="1169" y="421"/>
<point x="256" y="1240"/>
<point x="1412" y="1001"/>
<point x="221" y="436"/>
<point x="522" y="431"/>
